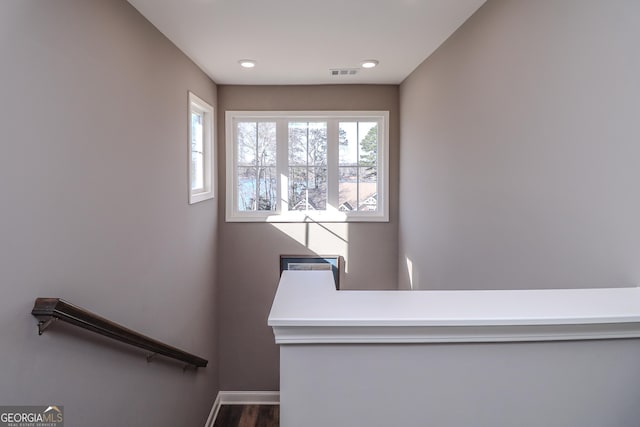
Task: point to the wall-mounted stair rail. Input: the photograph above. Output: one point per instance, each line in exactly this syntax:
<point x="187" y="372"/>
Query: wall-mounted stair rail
<point x="47" y="310"/>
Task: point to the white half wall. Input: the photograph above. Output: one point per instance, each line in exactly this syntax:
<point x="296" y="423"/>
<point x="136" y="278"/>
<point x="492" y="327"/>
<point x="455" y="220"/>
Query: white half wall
<point x="560" y="384"/>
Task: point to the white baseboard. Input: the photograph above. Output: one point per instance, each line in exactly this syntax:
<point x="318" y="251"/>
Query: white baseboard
<point x="214" y="412"/>
<point x="241" y="398"/>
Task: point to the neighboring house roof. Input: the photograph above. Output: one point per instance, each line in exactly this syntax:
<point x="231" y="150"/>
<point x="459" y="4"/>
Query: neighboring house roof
<point x="303" y="205"/>
<point x="370" y="204"/>
<point x="345" y="207"/>
<point x="348" y="196"/>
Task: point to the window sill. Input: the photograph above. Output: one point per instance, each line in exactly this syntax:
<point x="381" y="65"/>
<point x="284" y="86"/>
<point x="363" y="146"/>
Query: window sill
<point x="199" y="197"/>
<point x="294" y="217"/>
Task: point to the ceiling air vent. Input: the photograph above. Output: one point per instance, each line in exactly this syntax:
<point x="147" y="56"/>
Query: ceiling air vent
<point x="341" y="72"/>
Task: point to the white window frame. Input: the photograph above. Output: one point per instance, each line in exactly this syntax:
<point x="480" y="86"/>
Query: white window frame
<point x="282" y="214"/>
<point x="198" y="105"/>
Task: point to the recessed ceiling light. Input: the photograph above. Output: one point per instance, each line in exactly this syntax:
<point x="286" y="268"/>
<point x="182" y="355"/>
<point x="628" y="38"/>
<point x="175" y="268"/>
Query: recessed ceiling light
<point x="247" y="63"/>
<point x="369" y="63"/>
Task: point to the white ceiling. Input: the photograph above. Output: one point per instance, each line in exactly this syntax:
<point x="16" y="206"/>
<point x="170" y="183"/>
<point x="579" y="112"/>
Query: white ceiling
<point x="298" y="41"/>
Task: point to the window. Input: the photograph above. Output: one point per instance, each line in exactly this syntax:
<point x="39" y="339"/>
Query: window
<point x="200" y="150"/>
<point x="307" y="166"/>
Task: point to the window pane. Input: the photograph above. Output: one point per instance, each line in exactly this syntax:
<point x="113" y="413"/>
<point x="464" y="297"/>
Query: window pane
<point x="256" y="172"/>
<point x="318" y="187"/>
<point x="307" y="143"/>
<point x="298" y="178"/>
<point x="256" y="143"/>
<point x="358" y="189"/>
<point x="246" y="143"/>
<point x="348" y="143"/>
<point x="267" y="189"/>
<point x="256" y="188"/>
<point x="368" y="189"/>
<point x="348" y="189"/>
<point x="247" y="179"/>
<point x="297" y="144"/>
<point x="317" y="144"/>
<point x="368" y="134"/>
<point x="307" y="188"/>
<point x="266" y="144"/>
<point x="197" y="151"/>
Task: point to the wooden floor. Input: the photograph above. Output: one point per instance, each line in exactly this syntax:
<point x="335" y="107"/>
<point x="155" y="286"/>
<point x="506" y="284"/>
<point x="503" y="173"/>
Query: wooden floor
<point x="248" y="416"/>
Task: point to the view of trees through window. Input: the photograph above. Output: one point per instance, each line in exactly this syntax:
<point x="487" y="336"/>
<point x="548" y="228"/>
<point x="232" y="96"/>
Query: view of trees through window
<point x="256" y="166"/>
<point x="307" y="169"/>
<point x="307" y="166"/>
<point x="197" y="151"/>
<point x="358" y="157"/>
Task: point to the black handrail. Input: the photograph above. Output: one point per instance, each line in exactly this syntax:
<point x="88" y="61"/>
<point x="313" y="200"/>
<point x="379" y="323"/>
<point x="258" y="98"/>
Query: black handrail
<point x="49" y="309"/>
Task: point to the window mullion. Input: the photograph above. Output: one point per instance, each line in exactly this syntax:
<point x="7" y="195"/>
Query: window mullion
<point x="358" y="166"/>
<point x="308" y="169"/>
<point x="257" y="166"/>
<point x="282" y="165"/>
<point x="332" y="164"/>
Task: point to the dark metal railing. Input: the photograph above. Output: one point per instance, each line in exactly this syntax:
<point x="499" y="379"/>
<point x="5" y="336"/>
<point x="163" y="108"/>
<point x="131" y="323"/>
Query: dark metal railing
<point x="47" y="310"/>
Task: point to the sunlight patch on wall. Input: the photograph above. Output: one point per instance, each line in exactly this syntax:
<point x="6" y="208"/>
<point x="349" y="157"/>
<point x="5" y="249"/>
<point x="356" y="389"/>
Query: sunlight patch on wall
<point x="410" y="271"/>
<point x="296" y="231"/>
<point x="320" y="238"/>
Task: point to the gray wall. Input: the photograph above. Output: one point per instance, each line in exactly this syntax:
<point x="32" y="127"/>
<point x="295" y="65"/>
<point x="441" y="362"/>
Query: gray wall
<point x="519" y="150"/>
<point x="249" y="252"/>
<point x="93" y="180"/>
